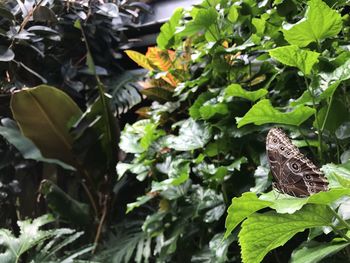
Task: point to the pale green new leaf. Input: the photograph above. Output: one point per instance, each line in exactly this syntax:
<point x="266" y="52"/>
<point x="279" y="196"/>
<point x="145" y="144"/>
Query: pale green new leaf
<point x="167" y="36"/>
<point x="232" y="14"/>
<point x="320" y="22"/>
<point x="295" y="57"/>
<point x="263" y="112"/>
<point x="289" y="204"/>
<point x="263" y="232"/>
<point x="241" y="208"/>
<point x="208" y="111"/>
<point x="235" y="90"/>
<point x="338" y="175"/>
<point x="30" y="235"/>
<point x="192" y="135"/>
<point x="314" y="252"/>
<point x="139" y="201"/>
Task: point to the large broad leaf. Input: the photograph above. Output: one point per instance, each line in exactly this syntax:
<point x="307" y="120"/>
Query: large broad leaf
<point x="295" y="57"/>
<point x="43" y="114"/>
<point x="290" y="204"/>
<point x="241" y="208"/>
<point x="27" y="148"/>
<point x="320" y="22"/>
<point x="314" y="252"/>
<point x="12" y="248"/>
<point x="166" y="37"/>
<point x="235" y="90"/>
<point x="263" y="232"/>
<point x="192" y="135"/>
<point x="263" y="112"/>
<point x="64" y="205"/>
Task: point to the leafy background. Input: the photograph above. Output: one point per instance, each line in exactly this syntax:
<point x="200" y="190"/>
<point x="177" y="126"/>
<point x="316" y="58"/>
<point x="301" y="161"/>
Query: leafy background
<point x="191" y="182"/>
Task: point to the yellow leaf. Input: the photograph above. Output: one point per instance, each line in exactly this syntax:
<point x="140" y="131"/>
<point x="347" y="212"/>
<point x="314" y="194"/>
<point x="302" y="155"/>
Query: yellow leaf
<point x="139" y="58"/>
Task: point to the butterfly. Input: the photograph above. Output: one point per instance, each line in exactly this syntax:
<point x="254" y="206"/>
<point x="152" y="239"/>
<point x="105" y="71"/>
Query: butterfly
<point x="294" y="173"/>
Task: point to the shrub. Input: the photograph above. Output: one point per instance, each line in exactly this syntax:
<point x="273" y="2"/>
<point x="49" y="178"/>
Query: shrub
<point x="222" y="75"/>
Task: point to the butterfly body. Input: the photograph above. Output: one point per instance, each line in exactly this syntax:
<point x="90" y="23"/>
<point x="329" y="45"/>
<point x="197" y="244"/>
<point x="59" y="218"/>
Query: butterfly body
<point x="294" y="173"/>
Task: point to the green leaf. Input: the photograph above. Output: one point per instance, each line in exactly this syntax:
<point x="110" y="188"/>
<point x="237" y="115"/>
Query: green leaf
<point x="27" y="148"/>
<point x="343" y="131"/>
<point x="314" y="252"/>
<point x="263" y="112"/>
<point x="241" y="208"/>
<point x="139" y="201"/>
<point x="203" y="19"/>
<point x="329" y="82"/>
<point x="290" y="204"/>
<point x="209" y="110"/>
<point x="131" y="137"/>
<point x="151" y="134"/>
<point x="295" y="57"/>
<point x="64" y="205"/>
<point x="232" y="14"/>
<point x="330" y="117"/>
<point x="338" y="175"/>
<point x="166" y="37"/>
<point x="216" y="252"/>
<point x="263" y="232"/>
<point x="198" y="103"/>
<point x="12" y="248"/>
<point x="235" y="90"/>
<point x="35" y="111"/>
<point x="192" y="135"/>
<point x="320" y="22"/>
<point x="179" y="173"/>
<point x="95" y="135"/>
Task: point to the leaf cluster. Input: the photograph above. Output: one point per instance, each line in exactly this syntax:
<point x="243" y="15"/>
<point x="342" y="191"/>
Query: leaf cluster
<point x="247" y="66"/>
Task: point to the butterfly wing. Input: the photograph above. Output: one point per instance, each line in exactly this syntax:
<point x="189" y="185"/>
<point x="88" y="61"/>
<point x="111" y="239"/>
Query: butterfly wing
<point x="294" y="173"/>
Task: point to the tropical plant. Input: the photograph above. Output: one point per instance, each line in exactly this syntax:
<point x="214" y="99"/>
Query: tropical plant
<point x="245" y="66"/>
<point x="37" y="245"/>
<point x="50" y="136"/>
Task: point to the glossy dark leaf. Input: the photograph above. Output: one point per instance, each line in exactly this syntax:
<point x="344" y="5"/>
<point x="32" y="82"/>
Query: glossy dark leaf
<point x="6" y="54"/>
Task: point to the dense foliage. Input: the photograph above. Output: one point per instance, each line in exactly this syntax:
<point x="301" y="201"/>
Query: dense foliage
<point x="242" y="67"/>
<point x="193" y="168"/>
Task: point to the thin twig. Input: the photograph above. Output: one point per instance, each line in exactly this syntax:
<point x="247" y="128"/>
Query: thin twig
<point x="26" y="20"/>
<point x="100" y="225"/>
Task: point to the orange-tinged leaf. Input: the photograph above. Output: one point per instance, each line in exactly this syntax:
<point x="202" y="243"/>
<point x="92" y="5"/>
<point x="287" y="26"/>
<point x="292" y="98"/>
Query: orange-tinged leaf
<point x="159" y="58"/>
<point x="139" y="58"/>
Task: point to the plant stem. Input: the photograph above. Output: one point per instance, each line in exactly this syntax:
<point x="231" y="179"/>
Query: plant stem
<point x="341" y="220"/>
<point x="328" y="109"/>
<point x="340" y="233"/>
<point x="319" y="132"/>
